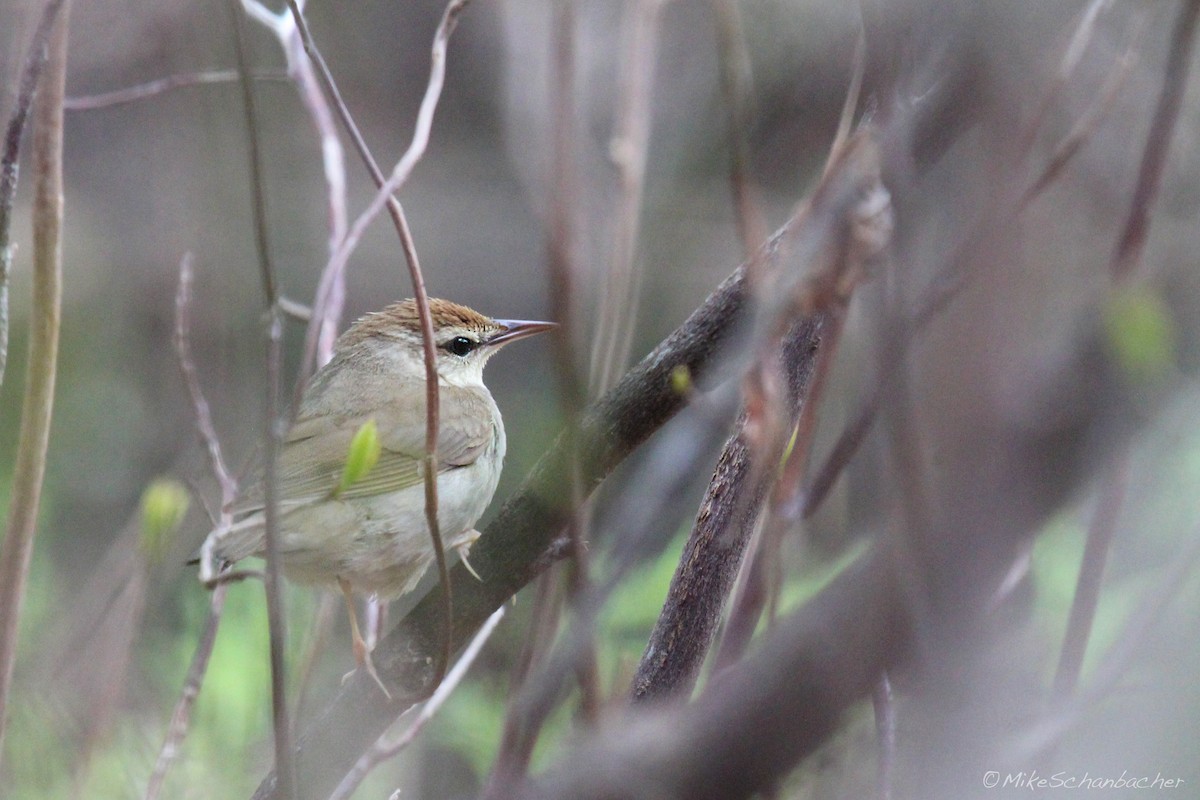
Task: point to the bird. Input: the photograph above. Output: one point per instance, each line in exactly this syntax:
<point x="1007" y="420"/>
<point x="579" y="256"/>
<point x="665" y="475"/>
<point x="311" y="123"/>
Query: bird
<point x="371" y="537"/>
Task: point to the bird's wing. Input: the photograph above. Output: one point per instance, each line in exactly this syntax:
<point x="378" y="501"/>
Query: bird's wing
<point x="313" y="455"/>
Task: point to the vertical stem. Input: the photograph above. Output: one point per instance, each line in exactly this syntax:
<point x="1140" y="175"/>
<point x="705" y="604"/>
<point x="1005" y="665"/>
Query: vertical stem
<point x="1179" y="60"/>
<point x="274" y="425"/>
<point x="630" y="146"/>
<point x="38" y="403"/>
<point x="562" y="270"/>
<point x="9" y="162"/>
<point x="1091" y="576"/>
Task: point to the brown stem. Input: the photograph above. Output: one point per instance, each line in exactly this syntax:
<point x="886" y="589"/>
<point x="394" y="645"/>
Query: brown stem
<point x="34" y="63"/>
<point x="387" y="188"/>
<point x="1179" y="60"/>
<point x="714" y="551"/>
<point x="142" y="91"/>
<point x="46" y="312"/>
<point x="1091" y="575"/>
<point x="274" y="423"/>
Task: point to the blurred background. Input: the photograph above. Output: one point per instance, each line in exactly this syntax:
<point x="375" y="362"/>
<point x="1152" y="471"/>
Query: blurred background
<point x="109" y="628"/>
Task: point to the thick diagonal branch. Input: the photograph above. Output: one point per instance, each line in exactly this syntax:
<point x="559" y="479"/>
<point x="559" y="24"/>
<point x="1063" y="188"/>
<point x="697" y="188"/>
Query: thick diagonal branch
<point x="714" y="550"/>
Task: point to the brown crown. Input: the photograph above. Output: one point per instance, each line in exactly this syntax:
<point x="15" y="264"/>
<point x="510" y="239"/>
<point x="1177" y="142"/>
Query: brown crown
<point x="403" y="315"/>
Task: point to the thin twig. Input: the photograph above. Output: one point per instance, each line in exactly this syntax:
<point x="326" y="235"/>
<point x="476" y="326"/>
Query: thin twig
<point x="144" y="91"/>
<point x="338" y="260"/>
<point x="1128" y="254"/>
<point x="850" y="103"/>
<point x="274" y="423"/>
<point x="45" y="319"/>
<point x="300" y="69"/>
<point x="1083" y="128"/>
<point x="885" y="734"/>
<point x="523" y="723"/>
<point x="737" y="84"/>
<point x="952" y="278"/>
<point x="181" y="716"/>
<point x="562" y="269"/>
<point x="1073" y="52"/>
<point x="187" y="366"/>
<point x="1130" y="644"/>
<point x="318" y="632"/>
<point x="384" y="750"/>
<point x="1113" y="488"/>
<point x="9" y="165"/>
<point x="178" y="726"/>
<point x="420" y="140"/>
<point x="628" y="151"/>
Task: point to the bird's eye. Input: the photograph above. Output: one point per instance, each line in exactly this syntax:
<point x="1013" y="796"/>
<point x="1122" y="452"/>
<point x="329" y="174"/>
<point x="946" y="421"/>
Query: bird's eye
<point x="460" y="345"/>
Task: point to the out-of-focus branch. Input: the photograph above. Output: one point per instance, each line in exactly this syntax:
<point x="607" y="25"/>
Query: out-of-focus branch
<point x="714" y="550"/>
<point x="563" y="270"/>
<point x="30" y="74"/>
<point x="300" y="69"/>
<point x="1179" y="61"/>
<point x="45" y="318"/>
<point x="383" y="750"/>
<point x="761" y="716"/>
<point x="737" y="86"/>
<point x="178" y="726"/>
<point x="755" y="722"/>
<point x="272" y="417"/>
<point x="143" y="91"/>
<point x="1100" y="534"/>
<point x="629" y="152"/>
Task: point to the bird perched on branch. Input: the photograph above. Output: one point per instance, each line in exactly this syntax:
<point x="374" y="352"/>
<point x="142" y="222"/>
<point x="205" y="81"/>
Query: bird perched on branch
<point x="350" y="486"/>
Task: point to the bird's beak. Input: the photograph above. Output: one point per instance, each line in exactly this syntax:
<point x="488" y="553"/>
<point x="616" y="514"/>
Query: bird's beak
<point x="514" y="329"/>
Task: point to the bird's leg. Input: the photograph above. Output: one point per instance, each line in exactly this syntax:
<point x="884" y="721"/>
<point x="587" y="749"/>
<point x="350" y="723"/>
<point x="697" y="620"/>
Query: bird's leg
<point x="463" y="546"/>
<point x="361" y="654"/>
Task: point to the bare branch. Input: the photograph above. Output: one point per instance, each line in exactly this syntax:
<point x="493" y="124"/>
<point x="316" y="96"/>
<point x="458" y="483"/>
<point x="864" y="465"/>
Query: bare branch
<point x="629" y="148"/>
<point x="187" y="366"/>
<point x="1113" y="489"/>
<point x="35" y="61"/>
<point x="384" y="750"/>
<point x="713" y="554"/>
<point x="143" y="91"/>
<point x="1128" y="254"/>
<point x="273" y="421"/>
<point x="181" y="716"/>
<point x="300" y="69"/>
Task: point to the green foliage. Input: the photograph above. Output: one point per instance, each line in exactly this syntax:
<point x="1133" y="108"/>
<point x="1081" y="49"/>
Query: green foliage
<point x="1140" y="333"/>
<point x="362" y="456"/>
<point x="164" y="505"/>
<point x="681" y="380"/>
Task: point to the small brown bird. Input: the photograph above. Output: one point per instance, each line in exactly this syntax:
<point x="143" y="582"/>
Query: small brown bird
<point x="372" y="536"/>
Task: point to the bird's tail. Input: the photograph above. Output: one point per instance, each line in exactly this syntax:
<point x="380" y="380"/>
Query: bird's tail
<point x="229" y="545"/>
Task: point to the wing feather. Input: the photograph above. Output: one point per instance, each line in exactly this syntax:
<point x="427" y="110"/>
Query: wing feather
<point x="314" y="452"/>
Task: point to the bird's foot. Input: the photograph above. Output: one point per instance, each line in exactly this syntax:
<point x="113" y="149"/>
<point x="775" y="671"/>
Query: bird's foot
<point x="362" y="653"/>
<point x="363" y="656"/>
<point x="464" y="548"/>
